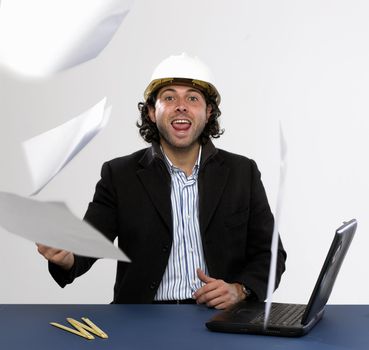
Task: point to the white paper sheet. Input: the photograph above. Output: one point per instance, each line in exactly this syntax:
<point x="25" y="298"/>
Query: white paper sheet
<point x="52" y="224"/>
<point x="47" y="154"/>
<point x="274" y="245"/>
<point x="43" y="37"/>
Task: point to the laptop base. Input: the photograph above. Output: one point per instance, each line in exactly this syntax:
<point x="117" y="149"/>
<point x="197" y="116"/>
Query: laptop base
<point x="247" y="317"/>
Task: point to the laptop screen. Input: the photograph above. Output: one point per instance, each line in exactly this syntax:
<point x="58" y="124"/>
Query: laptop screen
<point x="330" y="269"/>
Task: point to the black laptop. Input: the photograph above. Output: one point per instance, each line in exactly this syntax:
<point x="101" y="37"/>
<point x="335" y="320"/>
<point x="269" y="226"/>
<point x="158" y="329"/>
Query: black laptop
<point x="289" y="320"/>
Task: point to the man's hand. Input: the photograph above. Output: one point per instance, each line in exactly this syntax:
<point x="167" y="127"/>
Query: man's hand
<point x="217" y="293"/>
<point x="59" y="257"/>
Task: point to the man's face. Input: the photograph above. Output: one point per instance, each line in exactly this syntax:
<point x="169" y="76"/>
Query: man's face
<point x="180" y="115"/>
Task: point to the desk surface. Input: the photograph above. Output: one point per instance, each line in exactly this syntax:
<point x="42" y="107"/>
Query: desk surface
<point x="168" y="327"/>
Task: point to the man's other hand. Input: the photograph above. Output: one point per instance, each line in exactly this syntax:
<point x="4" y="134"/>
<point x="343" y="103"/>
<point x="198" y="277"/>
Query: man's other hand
<point x="217" y="293"/>
<point x="60" y="257"/>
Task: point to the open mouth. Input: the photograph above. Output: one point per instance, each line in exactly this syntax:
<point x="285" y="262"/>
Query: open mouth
<point x="181" y="124"/>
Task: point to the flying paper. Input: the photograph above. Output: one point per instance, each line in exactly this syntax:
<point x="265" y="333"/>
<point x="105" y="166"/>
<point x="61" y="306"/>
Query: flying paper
<point x="47" y="154"/>
<point x="274" y="246"/>
<point x="52" y="224"/>
<point x="43" y="37"/>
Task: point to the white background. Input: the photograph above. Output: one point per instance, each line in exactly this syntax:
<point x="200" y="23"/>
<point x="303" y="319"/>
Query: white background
<point x="304" y="63"/>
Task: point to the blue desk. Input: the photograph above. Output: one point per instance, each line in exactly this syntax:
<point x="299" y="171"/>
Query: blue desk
<point x="168" y="327"/>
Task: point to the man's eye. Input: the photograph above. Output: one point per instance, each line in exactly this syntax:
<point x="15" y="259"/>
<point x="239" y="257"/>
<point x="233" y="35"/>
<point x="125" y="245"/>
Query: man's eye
<point x="168" y="98"/>
<point x="193" y="98"/>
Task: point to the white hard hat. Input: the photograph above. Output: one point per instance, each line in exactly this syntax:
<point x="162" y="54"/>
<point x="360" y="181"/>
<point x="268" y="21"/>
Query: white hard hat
<point x="183" y="69"/>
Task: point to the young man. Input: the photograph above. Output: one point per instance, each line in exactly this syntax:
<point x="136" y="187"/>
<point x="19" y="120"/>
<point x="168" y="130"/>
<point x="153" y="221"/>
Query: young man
<point x="194" y="219"/>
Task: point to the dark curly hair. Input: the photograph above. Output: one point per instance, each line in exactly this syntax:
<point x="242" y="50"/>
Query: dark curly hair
<point x="149" y="131"/>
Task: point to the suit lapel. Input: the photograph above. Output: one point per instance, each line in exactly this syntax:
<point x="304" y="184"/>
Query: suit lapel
<point x="155" y="179"/>
<point x="156" y="182"/>
<point x="212" y="180"/>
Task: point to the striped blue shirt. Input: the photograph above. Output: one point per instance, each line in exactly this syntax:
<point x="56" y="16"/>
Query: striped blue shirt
<point x="180" y="280"/>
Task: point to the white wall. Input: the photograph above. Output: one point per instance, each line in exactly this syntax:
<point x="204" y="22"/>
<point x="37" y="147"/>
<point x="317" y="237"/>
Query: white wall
<point x="302" y="62"/>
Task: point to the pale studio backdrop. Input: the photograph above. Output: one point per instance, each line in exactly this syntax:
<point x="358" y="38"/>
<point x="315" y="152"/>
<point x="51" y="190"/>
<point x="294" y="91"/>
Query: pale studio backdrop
<point x="304" y="63"/>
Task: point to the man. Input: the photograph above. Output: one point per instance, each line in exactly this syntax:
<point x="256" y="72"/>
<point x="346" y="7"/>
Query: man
<point x="194" y="219"/>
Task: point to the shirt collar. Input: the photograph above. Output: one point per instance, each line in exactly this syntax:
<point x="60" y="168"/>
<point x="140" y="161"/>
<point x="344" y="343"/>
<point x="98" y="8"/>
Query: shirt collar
<point x="172" y="168"/>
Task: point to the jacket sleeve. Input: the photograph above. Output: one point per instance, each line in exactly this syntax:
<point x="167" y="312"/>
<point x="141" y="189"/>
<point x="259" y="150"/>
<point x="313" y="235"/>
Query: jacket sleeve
<point x="259" y="237"/>
<point x="101" y="214"/>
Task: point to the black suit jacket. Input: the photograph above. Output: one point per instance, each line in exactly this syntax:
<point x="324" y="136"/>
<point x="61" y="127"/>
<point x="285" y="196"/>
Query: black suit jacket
<point x="132" y="203"/>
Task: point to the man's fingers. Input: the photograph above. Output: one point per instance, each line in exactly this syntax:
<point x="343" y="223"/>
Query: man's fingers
<point x="205" y="297"/>
<point x="202" y="293"/>
<point x="217" y="294"/>
<point x="41" y="247"/>
<point x="61" y="255"/>
<point x="203" y="277"/>
<point x="48" y="252"/>
<point x="218" y="303"/>
<point x="222" y="306"/>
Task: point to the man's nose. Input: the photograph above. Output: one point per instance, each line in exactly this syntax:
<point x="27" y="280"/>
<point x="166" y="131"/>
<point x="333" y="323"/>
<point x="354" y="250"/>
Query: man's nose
<point x="181" y="107"/>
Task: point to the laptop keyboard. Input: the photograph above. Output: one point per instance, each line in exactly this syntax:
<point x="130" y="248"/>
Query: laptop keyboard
<point x="282" y="314"/>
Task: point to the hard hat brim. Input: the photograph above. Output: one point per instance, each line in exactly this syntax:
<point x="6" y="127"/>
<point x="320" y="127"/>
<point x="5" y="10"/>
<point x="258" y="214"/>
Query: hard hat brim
<point x="203" y="86"/>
